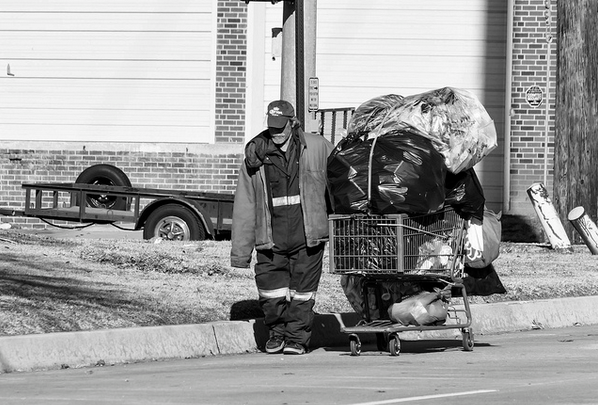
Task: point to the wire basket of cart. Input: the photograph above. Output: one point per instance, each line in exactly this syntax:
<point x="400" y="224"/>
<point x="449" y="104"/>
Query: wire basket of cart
<point x="401" y="272"/>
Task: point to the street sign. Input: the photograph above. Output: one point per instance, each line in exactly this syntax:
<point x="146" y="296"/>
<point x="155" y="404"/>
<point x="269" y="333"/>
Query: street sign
<point x="314" y="94"/>
<point x="534" y="96"/>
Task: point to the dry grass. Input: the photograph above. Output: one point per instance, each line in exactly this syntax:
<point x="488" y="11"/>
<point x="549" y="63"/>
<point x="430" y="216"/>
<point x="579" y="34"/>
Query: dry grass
<point x="50" y="285"/>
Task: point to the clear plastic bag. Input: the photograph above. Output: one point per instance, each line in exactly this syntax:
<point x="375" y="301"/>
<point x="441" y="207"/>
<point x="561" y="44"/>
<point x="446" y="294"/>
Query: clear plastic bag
<point x="453" y="119"/>
<point x="425" y="308"/>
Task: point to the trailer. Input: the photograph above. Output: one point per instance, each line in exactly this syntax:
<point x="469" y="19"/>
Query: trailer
<point x="167" y="214"/>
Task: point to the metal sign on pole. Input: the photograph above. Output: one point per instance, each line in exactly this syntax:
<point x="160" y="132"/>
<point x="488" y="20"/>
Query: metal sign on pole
<point x="314" y="94"/>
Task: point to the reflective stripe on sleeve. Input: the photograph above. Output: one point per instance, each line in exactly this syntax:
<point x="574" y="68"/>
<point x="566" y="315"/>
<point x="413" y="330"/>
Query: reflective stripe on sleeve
<point x="286" y="200"/>
<point x="278" y="293"/>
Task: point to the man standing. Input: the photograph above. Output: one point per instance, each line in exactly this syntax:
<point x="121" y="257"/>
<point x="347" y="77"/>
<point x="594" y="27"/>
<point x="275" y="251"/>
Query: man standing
<point x="281" y="209"/>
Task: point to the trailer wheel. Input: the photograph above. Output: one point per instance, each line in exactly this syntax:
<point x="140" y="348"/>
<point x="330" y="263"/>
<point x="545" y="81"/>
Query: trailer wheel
<point x="173" y="222"/>
<point x="105" y="175"/>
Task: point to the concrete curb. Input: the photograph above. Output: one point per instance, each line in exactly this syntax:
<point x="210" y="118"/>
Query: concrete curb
<point x="79" y="349"/>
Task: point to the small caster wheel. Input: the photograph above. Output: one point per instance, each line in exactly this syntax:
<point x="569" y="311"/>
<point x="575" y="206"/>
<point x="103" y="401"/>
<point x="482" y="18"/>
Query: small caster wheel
<point x="355" y="344"/>
<point x="394" y="345"/>
<point x="468" y="340"/>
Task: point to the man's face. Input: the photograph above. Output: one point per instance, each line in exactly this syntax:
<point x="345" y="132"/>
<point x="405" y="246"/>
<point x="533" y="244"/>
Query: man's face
<point x="280" y="135"/>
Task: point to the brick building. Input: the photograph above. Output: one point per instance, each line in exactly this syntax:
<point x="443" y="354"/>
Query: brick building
<point x="170" y="91"/>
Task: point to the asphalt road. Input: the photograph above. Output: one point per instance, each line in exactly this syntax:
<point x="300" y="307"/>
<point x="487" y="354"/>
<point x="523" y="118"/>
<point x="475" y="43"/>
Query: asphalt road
<point x="552" y="366"/>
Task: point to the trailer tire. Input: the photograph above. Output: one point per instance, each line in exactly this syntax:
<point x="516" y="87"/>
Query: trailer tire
<point x="173" y="222"/>
<point x="109" y="175"/>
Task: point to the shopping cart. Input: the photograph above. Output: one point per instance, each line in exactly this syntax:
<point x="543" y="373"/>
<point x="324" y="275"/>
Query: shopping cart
<point x="400" y="249"/>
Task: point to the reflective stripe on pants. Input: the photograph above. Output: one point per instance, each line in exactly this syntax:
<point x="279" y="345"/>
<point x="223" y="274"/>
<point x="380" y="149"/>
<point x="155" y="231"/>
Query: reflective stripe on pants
<point x="299" y="272"/>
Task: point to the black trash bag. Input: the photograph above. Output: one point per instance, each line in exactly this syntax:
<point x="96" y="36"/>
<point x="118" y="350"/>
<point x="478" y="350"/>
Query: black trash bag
<point x="407" y="175"/>
<point x="483" y="281"/>
<point x="465" y="195"/>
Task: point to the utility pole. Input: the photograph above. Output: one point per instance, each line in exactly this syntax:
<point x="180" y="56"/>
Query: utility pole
<point x="576" y="118"/>
<point x="299" y="56"/>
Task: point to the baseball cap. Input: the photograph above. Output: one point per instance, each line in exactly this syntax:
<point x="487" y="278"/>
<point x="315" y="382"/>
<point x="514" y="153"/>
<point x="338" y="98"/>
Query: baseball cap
<point x="279" y="112"/>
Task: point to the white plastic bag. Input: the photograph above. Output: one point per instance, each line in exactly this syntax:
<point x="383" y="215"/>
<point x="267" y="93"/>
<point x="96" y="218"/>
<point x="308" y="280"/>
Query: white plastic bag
<point x="482" y="240"/>
<point x="425" y="308"/>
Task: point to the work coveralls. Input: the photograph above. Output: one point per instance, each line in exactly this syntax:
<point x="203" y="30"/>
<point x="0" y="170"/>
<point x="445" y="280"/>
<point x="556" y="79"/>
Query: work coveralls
<point x="289" y="258"/>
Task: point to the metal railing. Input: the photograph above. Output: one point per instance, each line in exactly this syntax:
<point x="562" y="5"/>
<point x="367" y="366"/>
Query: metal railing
<point x="334" y="122"/>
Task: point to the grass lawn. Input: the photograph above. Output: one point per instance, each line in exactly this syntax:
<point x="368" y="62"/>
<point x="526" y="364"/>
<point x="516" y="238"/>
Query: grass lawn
<point x="66" y="284"/>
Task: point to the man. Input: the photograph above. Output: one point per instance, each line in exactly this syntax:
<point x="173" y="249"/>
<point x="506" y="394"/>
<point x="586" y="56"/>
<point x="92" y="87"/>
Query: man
<point x="281" y="209"/>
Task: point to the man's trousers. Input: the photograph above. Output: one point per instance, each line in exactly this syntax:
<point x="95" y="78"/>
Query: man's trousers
<point x="287" y="285"/>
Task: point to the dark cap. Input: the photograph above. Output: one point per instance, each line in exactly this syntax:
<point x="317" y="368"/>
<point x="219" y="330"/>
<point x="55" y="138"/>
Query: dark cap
<point x="279" y="113"/>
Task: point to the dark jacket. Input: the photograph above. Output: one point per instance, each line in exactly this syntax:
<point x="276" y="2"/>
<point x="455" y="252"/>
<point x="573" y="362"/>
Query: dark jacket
<point x="252" y="222"/>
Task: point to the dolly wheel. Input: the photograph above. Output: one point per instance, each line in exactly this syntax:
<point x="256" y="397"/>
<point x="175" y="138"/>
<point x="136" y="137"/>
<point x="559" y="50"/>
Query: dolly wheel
<point x="355" y="345"/>
<point x="394" y="345"/>
<point x="468" y="340"/>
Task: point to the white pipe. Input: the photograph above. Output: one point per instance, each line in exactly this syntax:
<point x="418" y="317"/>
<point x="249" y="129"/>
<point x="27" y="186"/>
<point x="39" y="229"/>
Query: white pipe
<point x="586" y="228"/>
<point x="508" y="96"/>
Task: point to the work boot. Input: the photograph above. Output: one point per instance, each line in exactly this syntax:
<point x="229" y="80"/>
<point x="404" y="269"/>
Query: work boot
<point x="294" y="348"/>
<point x="275" y="345"/>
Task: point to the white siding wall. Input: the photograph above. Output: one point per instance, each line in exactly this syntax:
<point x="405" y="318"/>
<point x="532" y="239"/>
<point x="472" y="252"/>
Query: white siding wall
<point x="114" y="70"/>
<point x="366" y="49"/>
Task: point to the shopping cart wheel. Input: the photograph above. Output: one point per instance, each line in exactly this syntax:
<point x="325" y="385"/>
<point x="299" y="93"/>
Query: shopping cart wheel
<point x="468" y="340"/>
<point x="355" y="344"/>
<point x="394" y="345"/>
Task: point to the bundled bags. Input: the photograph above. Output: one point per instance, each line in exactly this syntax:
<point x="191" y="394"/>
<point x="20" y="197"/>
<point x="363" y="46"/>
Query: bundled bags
<point x="425" y="308"/>
<point x="453" y="119"/>
<point x="405" y="174"/>
<point x="413" y="155"/>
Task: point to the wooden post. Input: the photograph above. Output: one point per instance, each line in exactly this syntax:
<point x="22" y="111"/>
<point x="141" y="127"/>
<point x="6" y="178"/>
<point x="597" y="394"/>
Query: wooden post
<point x="549" y="218"/>
<point x="586" y="228"/>
<point x="576" y="114"/>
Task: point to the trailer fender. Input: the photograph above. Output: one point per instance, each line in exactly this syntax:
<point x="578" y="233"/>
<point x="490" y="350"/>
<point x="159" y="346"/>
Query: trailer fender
<point x="201" y="214"/>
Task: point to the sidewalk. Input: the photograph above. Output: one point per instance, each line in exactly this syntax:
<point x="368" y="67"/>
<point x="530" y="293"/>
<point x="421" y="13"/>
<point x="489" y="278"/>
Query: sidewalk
<point x="79" y="349"/>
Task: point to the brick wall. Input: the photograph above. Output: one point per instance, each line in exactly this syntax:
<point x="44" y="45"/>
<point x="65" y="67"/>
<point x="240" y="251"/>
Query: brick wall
<point x="231" y="70"/>
<point x="199" y="167"/>
<point x="528" y="123"/>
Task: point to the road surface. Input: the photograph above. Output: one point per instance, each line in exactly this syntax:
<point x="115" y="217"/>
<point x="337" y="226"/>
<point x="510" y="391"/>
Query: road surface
<point x="553" y="366"/>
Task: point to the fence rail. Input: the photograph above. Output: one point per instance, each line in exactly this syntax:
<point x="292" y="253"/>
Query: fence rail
<point x="334" y="122"/>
